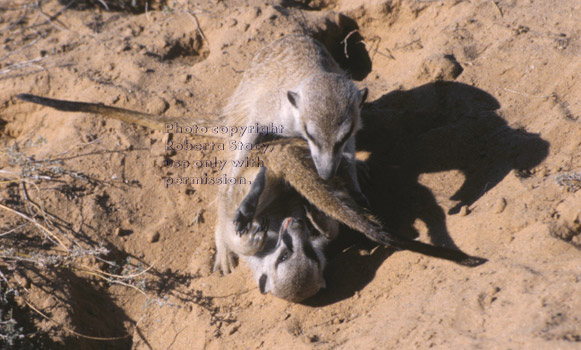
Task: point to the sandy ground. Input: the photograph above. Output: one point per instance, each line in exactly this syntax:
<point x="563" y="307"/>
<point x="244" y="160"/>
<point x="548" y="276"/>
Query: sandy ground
<point x="473" y="130"/>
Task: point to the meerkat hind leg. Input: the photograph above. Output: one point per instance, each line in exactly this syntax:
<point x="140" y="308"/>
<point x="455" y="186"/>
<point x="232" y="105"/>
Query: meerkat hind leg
<point x="225" y="257"/>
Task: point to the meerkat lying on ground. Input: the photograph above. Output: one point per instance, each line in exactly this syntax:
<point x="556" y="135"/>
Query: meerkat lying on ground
<point x="285" y="246"/>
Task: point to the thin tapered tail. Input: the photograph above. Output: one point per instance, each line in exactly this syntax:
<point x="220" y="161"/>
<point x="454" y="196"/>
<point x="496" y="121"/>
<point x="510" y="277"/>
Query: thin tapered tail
<point x="331" y="198"/>
<point x="156" y="122"/>
<point x="431" y="250"/>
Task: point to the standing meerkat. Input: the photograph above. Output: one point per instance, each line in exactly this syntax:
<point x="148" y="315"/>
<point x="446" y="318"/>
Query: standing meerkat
<point x="296" y="83"/>
<point x="293" y="277"/>
<point x="275" y="226"/>
<point x="293" y="82"/>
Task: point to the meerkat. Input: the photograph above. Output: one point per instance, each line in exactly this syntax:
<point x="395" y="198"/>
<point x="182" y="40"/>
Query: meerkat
<point x="286" y="251"/>
<point x="295" y="82"/>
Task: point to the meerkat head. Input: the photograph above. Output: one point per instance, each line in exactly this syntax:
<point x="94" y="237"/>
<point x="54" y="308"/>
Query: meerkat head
<point x="294" y="269"/>
<point x="327" y="108"/>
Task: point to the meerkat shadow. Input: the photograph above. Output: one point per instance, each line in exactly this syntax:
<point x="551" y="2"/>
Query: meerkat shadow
<point x="352" y="263"/>
<point x="432" y="150"/>
<point x="445" y="137"/>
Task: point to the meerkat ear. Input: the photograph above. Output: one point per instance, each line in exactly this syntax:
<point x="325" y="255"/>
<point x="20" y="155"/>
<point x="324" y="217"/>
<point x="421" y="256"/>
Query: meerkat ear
<point x="293" y="98"/>
<point x="363" y="93"/>
<point x="262" y="284"/>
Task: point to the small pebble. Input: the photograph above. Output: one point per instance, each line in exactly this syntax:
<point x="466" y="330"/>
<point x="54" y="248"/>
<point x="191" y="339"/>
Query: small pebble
<point x="127" y="33"/>
<point x="464" y="210"/>
<point x="157" y="105"/>
<point x="153" y="237"/>
<point x="186" y="78"/>
<point x="311" y="338"/>
<point x="123" y="47"/>
<point x="231" y="329"/>
<point x="499" y="205"/>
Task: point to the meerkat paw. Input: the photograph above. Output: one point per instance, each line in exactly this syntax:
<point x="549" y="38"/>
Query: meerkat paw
<point x="243" y="220"/>
<point x="253" y="240"/>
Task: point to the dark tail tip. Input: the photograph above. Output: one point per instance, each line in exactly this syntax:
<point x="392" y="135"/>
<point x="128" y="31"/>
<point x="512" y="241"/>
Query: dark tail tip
<point x="472" y="261"/>
<point x="37" y="99"/>
<point x="66" y="106"/>
<point x="454" y="255"/>
<point x="26" y="97"/>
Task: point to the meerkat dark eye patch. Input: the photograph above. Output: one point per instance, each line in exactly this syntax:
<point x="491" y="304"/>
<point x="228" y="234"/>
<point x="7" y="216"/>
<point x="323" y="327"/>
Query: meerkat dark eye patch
<point x="262" y="284"/>
<point x="347" y="135"/>
<point x="288" y="241"/>
<point x="282" y="257"/>
<point x="310" y="252"/>
<point x="311" y="138"/>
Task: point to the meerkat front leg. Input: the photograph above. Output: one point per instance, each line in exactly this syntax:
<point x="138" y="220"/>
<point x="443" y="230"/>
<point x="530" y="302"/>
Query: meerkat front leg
<point x="244" y="217"/>
<point x="230" y="244"/>
<point x="349" y="165"/>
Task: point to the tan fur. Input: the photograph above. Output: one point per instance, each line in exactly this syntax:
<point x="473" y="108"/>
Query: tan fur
<point x="295" y="82"/>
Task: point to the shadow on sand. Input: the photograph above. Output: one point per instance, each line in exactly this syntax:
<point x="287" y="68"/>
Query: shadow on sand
<point x="436" y="127"/>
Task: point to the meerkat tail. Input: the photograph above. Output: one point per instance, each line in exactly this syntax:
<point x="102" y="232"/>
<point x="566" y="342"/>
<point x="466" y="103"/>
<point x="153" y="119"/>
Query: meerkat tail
<point x="332" y="199"/>
<point x="457" y="256"/>
<point x="327" y="196"/>
<point x="151" y="121"/>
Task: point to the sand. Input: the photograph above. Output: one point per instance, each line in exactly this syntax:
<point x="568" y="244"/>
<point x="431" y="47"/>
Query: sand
<point x="473" y="136"/>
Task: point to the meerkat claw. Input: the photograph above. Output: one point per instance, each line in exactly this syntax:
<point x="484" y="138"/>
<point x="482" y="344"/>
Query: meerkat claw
<point x="243" y="221"/>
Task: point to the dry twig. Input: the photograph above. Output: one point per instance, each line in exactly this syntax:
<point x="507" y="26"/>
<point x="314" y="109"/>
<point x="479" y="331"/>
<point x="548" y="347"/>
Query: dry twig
<point x="524" y="93"/>
<point x="20" y="49"/>
<point x="498" y="8"/>
<point x="52" y="237"/>
<point x="344" y="41"/>
<point x="193" y="16"/>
